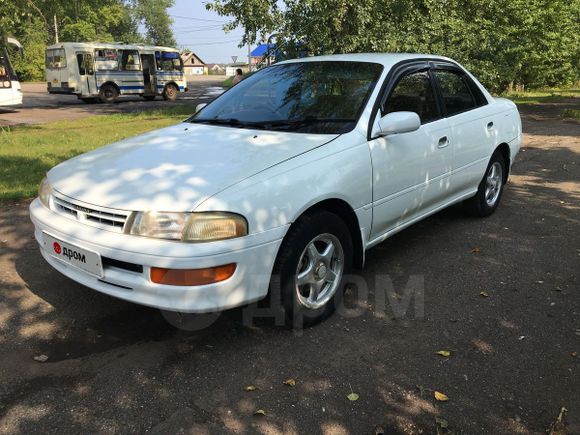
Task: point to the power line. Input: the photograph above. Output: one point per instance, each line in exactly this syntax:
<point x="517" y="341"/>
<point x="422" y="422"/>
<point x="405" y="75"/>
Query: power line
<point x="210" y="43"/>
<point x="197" y="19"/>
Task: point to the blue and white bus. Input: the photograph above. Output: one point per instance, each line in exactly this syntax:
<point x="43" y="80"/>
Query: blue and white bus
<point x="10" y="91"/>
<point x="102" y="72"/>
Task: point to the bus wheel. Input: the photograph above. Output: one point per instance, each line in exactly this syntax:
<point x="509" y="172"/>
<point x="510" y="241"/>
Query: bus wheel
<point x="170" y="93"/>
<point x="148" y="97"/>
<point x="108" y="94"/>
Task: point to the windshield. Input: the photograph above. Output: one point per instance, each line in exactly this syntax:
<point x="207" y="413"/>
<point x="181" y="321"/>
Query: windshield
<point x="309" y="97"/>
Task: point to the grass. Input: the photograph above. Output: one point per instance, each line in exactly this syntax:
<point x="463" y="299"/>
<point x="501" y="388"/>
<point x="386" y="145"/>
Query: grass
<point x="542" y="95"/>
<point x="571" y="113"/>
<point x="228" y="83"/>
<point x="28" y="152"/>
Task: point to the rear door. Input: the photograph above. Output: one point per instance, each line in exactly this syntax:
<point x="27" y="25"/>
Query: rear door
<point x="410" y="170"/>
<point x="86" y="65"/>
<point x="472" y="126"/>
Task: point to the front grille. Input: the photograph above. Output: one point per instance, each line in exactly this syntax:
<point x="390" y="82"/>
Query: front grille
<point x="105" y="218"/>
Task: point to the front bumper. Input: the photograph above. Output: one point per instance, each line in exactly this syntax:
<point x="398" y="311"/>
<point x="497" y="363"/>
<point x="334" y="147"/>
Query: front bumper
<point x="254" y="256"/>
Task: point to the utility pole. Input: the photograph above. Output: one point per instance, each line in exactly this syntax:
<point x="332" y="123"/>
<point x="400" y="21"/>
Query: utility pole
<point x="249" y="58"/>
<point x="55" y="30"/>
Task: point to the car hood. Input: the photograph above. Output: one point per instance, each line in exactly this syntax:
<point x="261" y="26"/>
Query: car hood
<point x="175" y="168"/>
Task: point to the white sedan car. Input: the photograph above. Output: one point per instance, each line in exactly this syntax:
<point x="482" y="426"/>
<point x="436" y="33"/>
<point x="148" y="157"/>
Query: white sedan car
<point x="279" y="185"/>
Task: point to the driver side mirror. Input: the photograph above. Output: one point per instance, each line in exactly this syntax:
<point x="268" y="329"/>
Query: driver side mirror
<point x="199" y="107"/>
<point x="398" y="122"/>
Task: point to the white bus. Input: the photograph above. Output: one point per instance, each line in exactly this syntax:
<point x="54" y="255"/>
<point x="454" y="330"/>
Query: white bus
<point x="10" y="91"/>
<point x="101" y="72"/>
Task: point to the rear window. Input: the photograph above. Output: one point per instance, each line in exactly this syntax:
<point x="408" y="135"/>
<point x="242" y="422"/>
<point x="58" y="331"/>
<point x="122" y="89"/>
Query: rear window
<point x="456" y="92"/>
<point x="55" y="58"/>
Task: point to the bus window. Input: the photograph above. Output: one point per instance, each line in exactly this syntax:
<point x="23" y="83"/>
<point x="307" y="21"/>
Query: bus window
<point x="106" y="59"/>
<point x="55" y="58"/>
<point x="168" y="61"/>
<point x="3" y="69"/>
<point x="130" y="60"/>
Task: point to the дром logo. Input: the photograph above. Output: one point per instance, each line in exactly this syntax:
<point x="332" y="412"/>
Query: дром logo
<point x="56" y="247"/>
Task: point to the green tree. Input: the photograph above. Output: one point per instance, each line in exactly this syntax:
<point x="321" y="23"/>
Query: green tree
<point x="529" y="42"/>
<point x="156" y="20"/>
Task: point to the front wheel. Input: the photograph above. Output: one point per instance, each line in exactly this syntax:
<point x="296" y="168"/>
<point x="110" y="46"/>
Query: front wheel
<point x="170" y="93"/>
<point x="309" y="271"/>
<point x="490" y="190"/>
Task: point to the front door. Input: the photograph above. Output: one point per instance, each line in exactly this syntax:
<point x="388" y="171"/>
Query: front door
<point x="148" y="62"/>
<point x="410" y="170"/>
<point x="87" y="83"/>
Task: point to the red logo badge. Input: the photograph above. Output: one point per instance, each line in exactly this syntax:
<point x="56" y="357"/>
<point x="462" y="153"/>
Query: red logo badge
<point x="56" y="247"/>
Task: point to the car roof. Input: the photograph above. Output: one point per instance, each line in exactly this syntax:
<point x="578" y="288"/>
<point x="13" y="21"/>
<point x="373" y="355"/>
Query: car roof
<point x="385" y="59"/>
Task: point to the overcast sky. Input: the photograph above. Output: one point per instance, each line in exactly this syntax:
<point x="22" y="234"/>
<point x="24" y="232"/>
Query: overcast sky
<point x="201" y="32"/>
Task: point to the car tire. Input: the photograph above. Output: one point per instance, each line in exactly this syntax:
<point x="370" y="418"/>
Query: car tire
<point x="170" y="93"/>
<point x="108" y="94"/>
<point x="490" y="189"/>
<point x="306" y="255"/>
<point x="148" y="97"/>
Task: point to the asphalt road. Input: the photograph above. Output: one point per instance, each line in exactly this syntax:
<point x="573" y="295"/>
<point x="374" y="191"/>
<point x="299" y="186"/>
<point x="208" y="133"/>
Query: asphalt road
<point x="39" y="106"/>
<point x="114" y="367"/>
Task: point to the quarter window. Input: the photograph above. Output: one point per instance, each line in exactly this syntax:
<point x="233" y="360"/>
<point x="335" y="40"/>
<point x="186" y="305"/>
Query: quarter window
<point x="414" y="93"/>
<point x="457" y="96"/>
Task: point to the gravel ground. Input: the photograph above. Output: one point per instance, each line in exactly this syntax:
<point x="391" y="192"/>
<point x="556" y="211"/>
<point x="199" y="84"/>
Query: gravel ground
<point x="114" y="367"/>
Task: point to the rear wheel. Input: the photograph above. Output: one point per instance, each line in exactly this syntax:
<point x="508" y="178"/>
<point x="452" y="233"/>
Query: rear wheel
<point x="170" y="93"/>
<point x="108" y="93"/>
<point x="490" y="190"/>
<point x="309" y="272"/>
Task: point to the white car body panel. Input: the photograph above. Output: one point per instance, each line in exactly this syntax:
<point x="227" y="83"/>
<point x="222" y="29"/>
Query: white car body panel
<point x="271" y="178"/>
<point x="11" y="96"/>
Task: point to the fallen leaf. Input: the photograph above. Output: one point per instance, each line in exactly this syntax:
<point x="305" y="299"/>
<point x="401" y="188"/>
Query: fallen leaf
<point x="290" y="382"/>
<point x="353" y="397"/>
<point x="41" y="358"/>
<point x="444" y="353"/>
<point x="573" y="354"/>
<point x="484" y="294"/>
<point x="259" y="412"/>
<point x="521" y="337"/>
<point x="440" y="396"/>
<point x="250" y="388"/>
<point x="476" y="250"/>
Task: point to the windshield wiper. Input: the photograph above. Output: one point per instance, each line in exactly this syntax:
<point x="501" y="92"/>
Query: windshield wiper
<point x="218" y="121"/>
<point x="297" y="123"/>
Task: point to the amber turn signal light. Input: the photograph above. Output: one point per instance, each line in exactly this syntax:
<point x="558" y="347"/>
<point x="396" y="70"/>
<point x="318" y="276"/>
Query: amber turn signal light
<point x="191" y="277"/>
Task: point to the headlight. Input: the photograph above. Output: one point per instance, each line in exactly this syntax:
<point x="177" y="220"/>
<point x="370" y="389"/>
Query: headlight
<point x="44" y="192"/>
<point x="187" y="227"/>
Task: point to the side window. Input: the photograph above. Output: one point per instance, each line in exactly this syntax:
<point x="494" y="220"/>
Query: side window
<point x="414" y="93"/>
<point x="106" y="59"/>
<point x="457" y="96"/>
<point x="130" y="60"/>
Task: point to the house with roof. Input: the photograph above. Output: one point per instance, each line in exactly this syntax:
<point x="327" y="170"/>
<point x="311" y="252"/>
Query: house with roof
<point x="258" y="55"/>
<point x="193" y="65"/>
<point x="216" y="69"/>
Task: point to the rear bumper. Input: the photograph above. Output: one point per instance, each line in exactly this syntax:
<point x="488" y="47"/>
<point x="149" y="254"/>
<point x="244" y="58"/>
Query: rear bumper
<point x="249" y="283"/>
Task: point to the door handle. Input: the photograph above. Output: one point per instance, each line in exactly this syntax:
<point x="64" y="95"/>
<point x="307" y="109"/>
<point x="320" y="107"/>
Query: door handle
<point x="443" y="142"/>
<point x="490" y="125"/>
